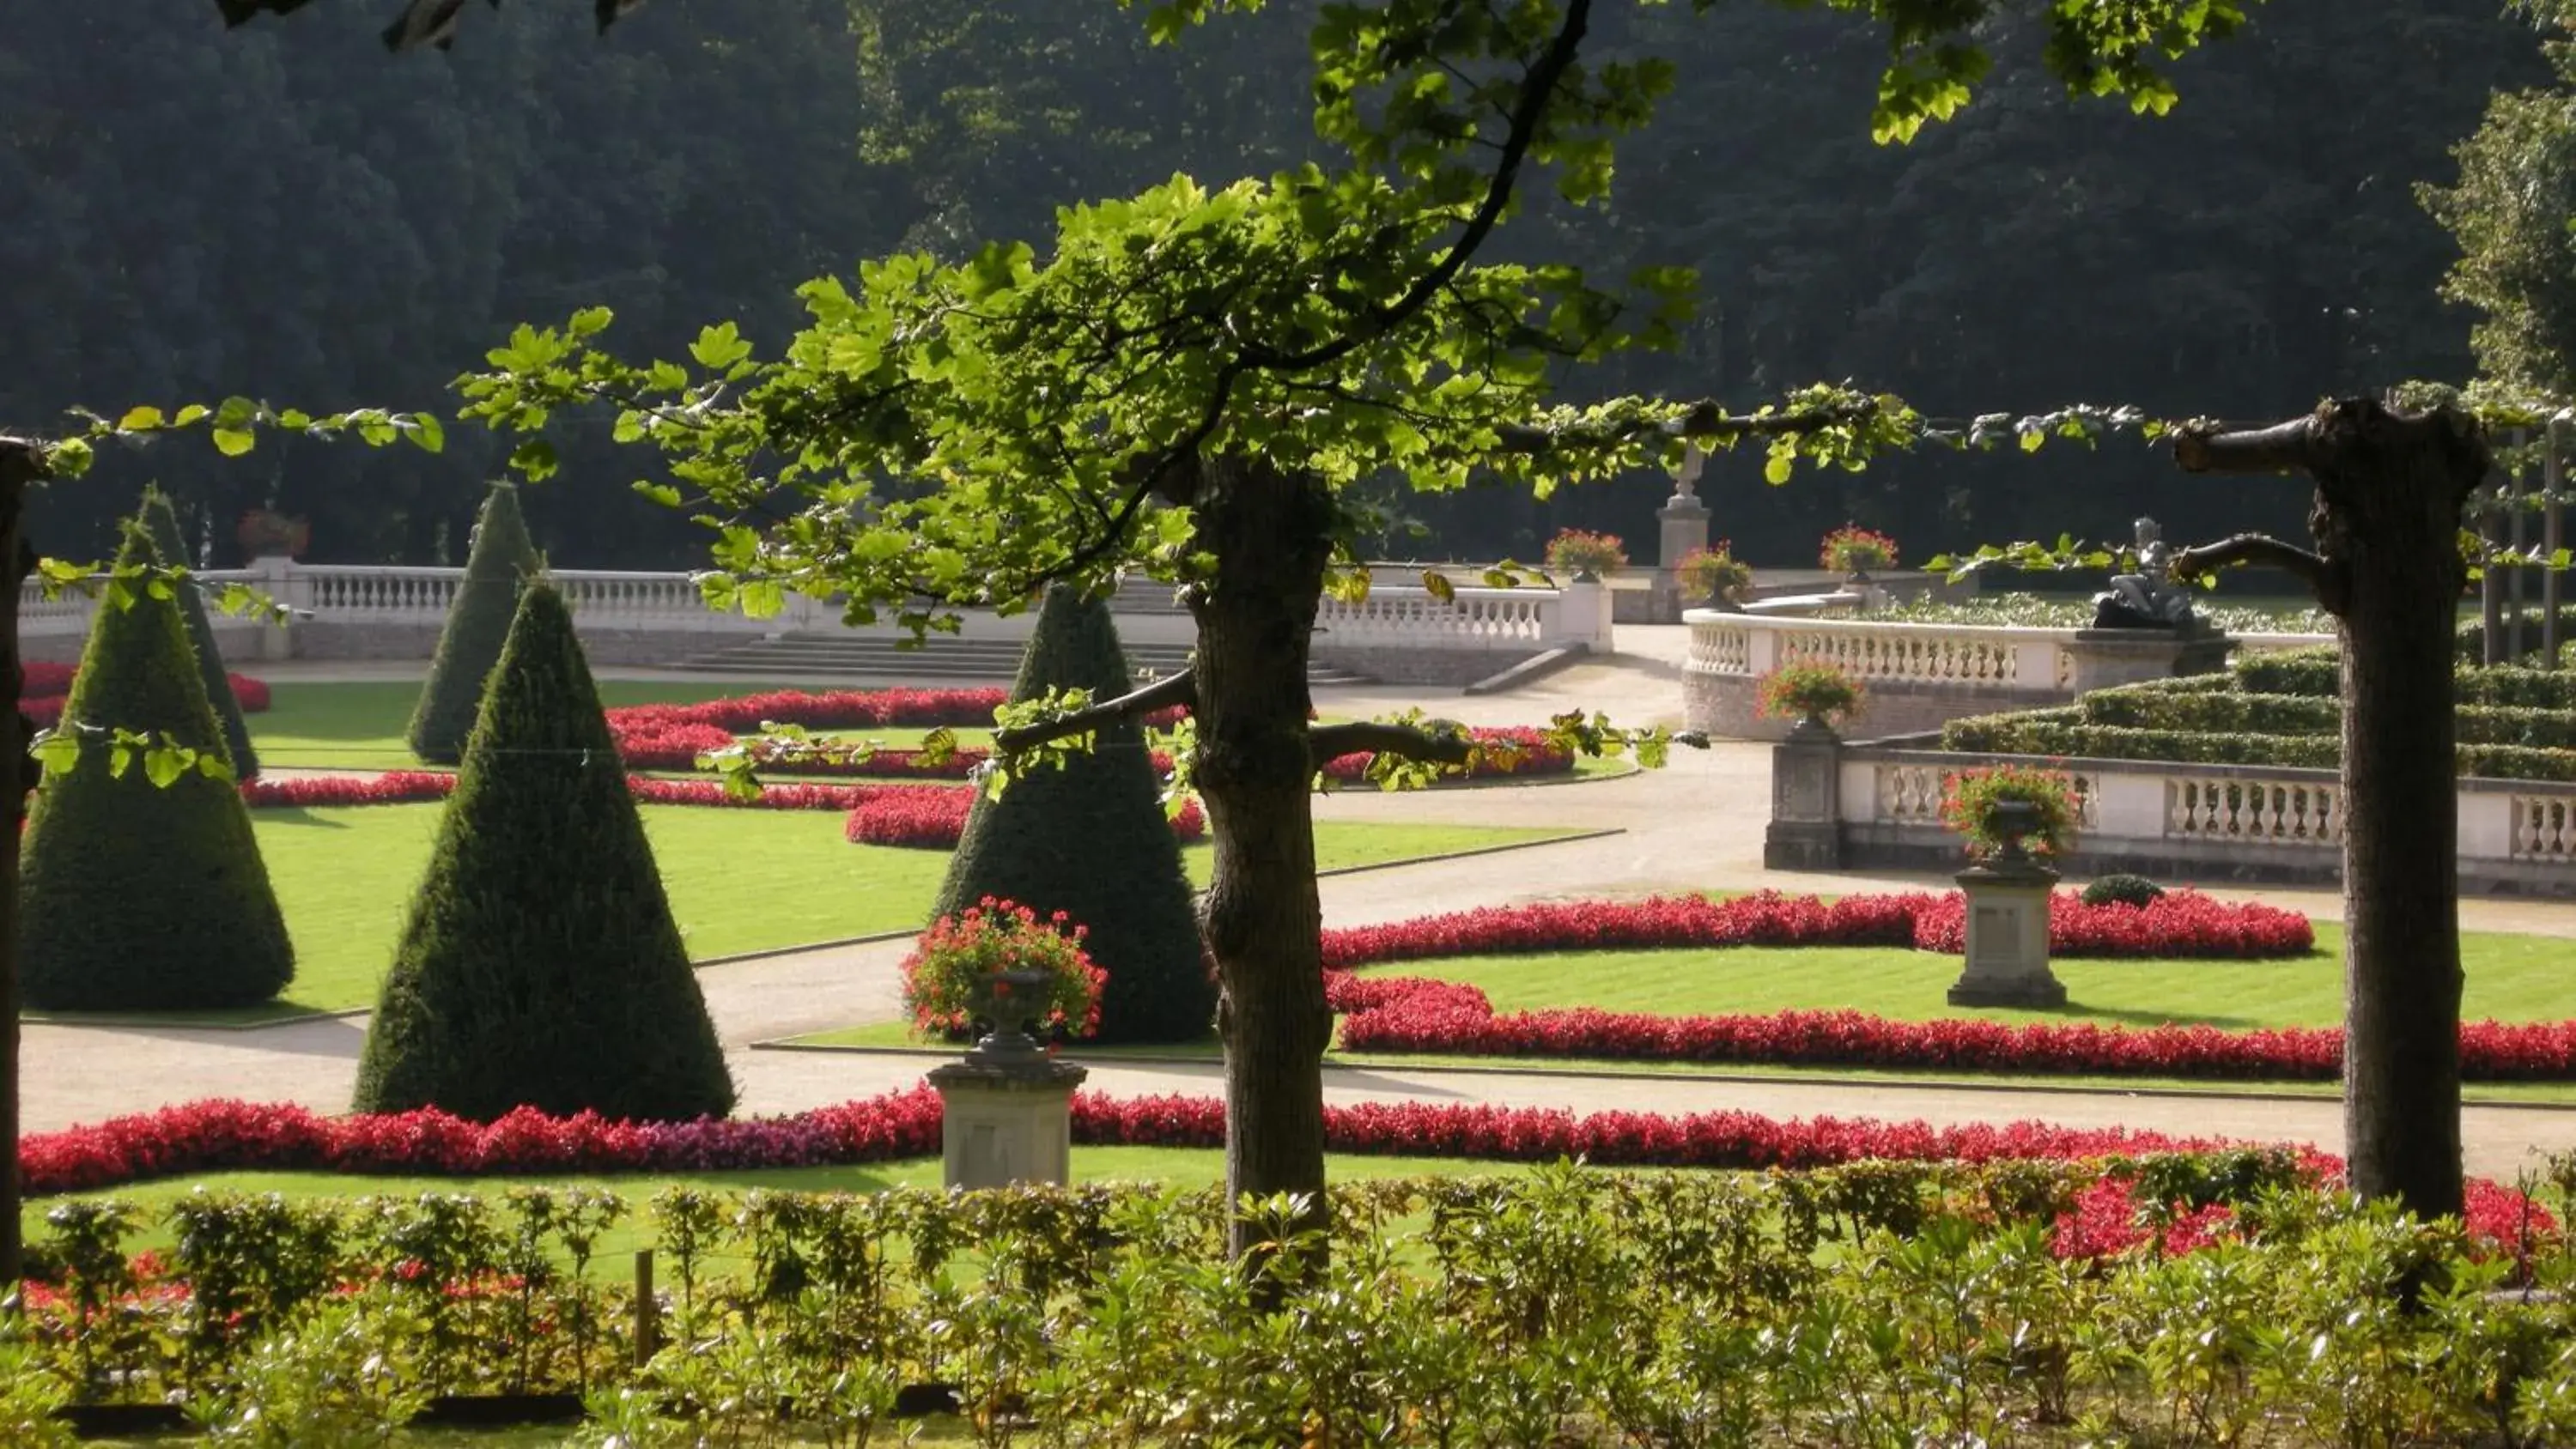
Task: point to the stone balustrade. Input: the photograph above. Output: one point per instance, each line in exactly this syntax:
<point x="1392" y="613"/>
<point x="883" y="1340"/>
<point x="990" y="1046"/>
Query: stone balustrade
<point x="1919" y="676"/>
<point x="346" y="611"/>
<point x="2188" y="821"/>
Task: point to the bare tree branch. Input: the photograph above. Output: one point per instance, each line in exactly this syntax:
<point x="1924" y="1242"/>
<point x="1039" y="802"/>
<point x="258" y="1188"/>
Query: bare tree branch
<point x="1368" y="737"/>
<point x="2260" y="550"/>
<point x="1528" y="110"/>
<point x="1705" y="421"/>
<point x="2289" y="447"/>
<point x="22" y="461"/>
<point x="1177" y="690"/>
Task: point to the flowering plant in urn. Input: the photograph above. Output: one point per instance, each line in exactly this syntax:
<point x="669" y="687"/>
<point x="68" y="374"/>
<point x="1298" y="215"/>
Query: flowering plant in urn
<point x="1852" y="549"/>
<point x="1995" y="809"/>
<point x="1576" y="551"/>
<point x="1000" y="963"/>
<point x="1805" y="689"/>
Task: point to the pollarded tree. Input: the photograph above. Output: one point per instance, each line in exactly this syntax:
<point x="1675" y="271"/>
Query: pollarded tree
<point x="539" y="964"/>
<point x="1190" y="379"/>
<point x="1090" y="839"/>
<point x="497" y="566"/>
<point x="162" y="522"/>
<point x="143" y="888"/>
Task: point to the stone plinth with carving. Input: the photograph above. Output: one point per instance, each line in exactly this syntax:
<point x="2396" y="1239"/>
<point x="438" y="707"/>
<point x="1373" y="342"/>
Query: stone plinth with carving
<point x="1806" y="800"/>
<point x="2008" y="935"/>
<point x="1007" y="1108"/>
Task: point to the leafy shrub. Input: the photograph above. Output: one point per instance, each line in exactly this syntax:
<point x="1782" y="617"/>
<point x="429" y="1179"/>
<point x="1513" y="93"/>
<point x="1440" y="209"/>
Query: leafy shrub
<point x="1969" y="798"/>
<point x="539" y="964"/>
<point x="1714" y="575"/>
<point x="162" y="524"/>
<point x="1852" y="549"/>
<point x="1091" y="839"/>
<point x="948" y="978"/>
<point x="1521" y="751"/>
<point x="349" y="1374"/>
<point x="2122" y="890"/>
<point x="1806" y="689"/>
<point x="498" y="565"/>
<point x="139" y="896"/>
<point x="2055" y="733"/>
<point x="1575" y="551"/>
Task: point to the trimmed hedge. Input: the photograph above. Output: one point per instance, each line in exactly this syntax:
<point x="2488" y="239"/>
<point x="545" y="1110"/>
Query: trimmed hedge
<point x="2318" y="673"/>
<point x="160" y="521"/>
<point x="2025" y="734"/>
<point x="539" y="965"/>
<point x="1091" y="840"/>
<point x="497" y="567"/>
<point x="136" y="896"/>
<point x="2472" y="636"/>
<point x="2300" y="714"/>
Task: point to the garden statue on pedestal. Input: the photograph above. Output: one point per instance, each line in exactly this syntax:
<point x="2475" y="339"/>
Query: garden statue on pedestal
<point x="2007" y="891"/>
<point x="2147" y="599"/>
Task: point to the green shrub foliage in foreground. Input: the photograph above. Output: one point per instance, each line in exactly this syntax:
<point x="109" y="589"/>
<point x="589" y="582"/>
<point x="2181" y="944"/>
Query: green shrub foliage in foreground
<point x="1881" y="1303"/>
<point x="540" y="965"/>
<point x="162" y="523"/>
<point x="136" y="896"/>
<point x="1091" y="840"/>
<point x="498" y="564"/>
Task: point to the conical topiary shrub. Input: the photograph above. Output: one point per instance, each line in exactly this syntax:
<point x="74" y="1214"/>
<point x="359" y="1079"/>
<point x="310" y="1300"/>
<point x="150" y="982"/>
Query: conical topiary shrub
<point x="539" y="965"/>
<point x="1091" y="840"/>
<point x="162" y="522"/>
<point x="136" y="896"/>
<point x="498" y="565"/>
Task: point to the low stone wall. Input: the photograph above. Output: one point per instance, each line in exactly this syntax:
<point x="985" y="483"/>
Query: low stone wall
<point x="242" y="645"/>
<point x="1451" y="668"/>
<point x="1728" y="707"/>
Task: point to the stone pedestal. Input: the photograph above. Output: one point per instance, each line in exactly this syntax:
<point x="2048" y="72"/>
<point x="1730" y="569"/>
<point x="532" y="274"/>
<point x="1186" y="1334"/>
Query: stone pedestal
<point x="1006" y="1122"/>
<point x="2101" y="658"/>
<point x="1681" y="527"/>
<point x="1806" y="831"/>
<point x="2008" y="937"/>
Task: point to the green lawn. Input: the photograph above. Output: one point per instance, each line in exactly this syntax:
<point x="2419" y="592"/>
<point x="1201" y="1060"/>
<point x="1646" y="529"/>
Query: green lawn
<point x="359" y="726"/>
<point x="740" y="881"/>
<point x="1179" y="1167"/>
<point x="2509" y="978"/>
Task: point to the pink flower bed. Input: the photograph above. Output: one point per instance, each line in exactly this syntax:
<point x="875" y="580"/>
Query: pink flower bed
<point x="927" y="818"/>
<point x="2178" y="924"/>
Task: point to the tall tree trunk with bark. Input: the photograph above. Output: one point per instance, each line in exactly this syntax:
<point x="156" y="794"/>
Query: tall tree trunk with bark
<point x="2389" y="490"/>
<point x="1270" y="533"/>
<point x="22" y="464"/>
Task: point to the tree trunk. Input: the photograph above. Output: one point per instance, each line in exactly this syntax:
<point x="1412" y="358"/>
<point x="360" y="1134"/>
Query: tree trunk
<point x="20" y="465"/>
<point x="1270" y="535"/>
<point x="2390" y="488"/>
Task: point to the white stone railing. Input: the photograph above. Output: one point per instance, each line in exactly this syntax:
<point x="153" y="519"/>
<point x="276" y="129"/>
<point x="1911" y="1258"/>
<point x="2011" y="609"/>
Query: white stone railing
<point x="2224" y="815"/>
<point x="1483" y="620"/>
<point x="2004" y="658"/>
<point x="2007" y="659"/>
<point x="1490" y="620"/>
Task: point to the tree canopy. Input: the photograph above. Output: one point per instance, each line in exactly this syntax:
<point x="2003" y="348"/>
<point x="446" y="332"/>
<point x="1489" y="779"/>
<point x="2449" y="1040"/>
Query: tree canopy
<point x="2255" y="247"/>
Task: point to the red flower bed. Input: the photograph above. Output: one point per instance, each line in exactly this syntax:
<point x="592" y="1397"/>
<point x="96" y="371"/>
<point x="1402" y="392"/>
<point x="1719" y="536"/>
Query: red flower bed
<point x="2180" y="923"/>
<point x="44" y="680"/>
<point x="230" y="1136"/>
<point x="399" y="787"/>
<point x="1536" y="756"/>
<point x="925" y="818"/>
<point x="407" y="787"/>
<point x="1403" y="1014"/>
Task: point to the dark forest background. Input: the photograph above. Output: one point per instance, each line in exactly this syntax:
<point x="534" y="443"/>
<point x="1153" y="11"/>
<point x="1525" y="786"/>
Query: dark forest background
<point x="192" y="213"/>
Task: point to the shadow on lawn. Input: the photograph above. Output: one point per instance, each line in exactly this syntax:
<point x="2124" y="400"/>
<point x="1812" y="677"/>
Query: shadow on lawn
<point x="2077" y="1013"/>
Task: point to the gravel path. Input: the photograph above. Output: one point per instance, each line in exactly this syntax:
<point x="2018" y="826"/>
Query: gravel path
<point x="1695" y="825"/>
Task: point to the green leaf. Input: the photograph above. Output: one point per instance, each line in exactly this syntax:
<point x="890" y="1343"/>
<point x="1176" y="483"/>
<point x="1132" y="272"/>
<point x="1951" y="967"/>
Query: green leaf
<point x="140" y="420"/>
<point x="534" y="460"/>
<point x="1778" y="468"/>
<point x="233" y="442"/>
<point x="164" y="765"/>
<point x="193" y="412"/>
<point x="120" y="758"/>
<point x="720" y="346"/>
<point x="662" y="493"/>
<point x="1437" y="585"/>
<point x="56" y="751"/>
<point x="590" y="321"/>
<point x="426" y="432"/>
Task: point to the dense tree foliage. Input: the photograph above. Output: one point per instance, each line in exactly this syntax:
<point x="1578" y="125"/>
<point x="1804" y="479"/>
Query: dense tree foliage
<point x="351" y="230"/>
<point x="1090" y="839"/>
<point x="2511" y="210"/>
<point x="143" y="893"/>
<point x="539" y="963"/>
